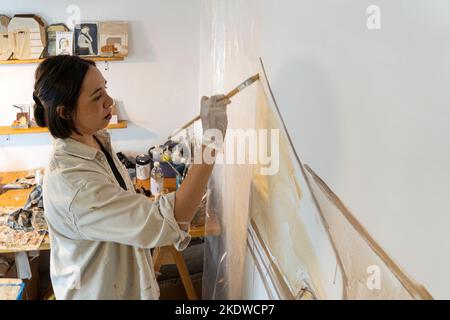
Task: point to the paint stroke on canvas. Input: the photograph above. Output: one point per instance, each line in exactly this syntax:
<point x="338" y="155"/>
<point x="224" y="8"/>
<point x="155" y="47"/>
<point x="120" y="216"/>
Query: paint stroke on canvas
<point x="308" y="234"/>
<point x="369" y="271"/>
<point x="284" y="212"/>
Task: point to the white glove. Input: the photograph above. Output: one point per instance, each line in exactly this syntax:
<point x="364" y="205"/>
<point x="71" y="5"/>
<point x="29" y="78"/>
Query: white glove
<point x="213" y="113"/>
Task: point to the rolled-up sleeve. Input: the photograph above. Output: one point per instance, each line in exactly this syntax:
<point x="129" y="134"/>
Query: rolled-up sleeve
<point x="102" y="211"/>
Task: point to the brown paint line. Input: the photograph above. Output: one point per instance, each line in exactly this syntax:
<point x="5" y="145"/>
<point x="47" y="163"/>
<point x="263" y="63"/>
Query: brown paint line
<point x="255" y="259"/>
<point x="415" y="290"/>
<point x="297" y="187"/>
<point x="327" y="228"/>
<point x="286" y="291"/>
<point x="322" y="217"/>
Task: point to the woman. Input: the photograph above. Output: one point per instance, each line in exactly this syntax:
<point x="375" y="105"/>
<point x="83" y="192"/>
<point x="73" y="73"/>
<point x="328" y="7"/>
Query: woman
<point x="100" y="229"/>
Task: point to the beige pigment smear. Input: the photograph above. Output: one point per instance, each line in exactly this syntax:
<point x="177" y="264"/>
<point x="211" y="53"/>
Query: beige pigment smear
<point x="285" y="217"/>
<point x="272" y="269"/>
<point x="267" y="266"/>
<point x="358" y="250"/>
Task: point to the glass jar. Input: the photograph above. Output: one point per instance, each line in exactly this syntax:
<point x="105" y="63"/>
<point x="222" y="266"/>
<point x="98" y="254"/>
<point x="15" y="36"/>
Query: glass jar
<point x="142" y="167"/>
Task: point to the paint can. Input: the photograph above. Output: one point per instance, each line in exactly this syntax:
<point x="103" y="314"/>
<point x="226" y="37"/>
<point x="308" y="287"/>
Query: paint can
<point x="143" y="167"/>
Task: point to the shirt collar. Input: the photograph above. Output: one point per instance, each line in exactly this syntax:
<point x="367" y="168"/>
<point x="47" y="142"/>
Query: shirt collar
<point x="78" y="149"/>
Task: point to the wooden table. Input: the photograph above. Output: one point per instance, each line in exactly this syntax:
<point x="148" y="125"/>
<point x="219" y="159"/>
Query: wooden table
<point x="18" y="198"/>
<point x="14" y="198"/>
<point x="161" y="256"/>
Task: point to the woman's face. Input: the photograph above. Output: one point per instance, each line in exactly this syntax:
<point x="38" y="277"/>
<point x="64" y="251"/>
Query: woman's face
<point x="94" y="106"/>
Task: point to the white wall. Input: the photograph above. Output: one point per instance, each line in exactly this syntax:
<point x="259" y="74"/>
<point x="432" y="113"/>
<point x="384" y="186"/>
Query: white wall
<point x="367" y="110"/>
<point x="156" y="86"/>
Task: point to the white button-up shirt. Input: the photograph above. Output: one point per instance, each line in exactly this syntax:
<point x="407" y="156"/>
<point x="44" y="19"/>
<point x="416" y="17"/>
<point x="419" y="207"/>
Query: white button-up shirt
<point x="101" y="234"/>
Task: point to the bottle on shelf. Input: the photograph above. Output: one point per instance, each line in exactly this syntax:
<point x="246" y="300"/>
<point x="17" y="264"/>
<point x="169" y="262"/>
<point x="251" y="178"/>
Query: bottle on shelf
<point x="156" y="179"/>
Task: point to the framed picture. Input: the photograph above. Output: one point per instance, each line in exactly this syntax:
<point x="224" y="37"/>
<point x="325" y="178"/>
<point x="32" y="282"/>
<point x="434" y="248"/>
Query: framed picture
<point x="5" y="48"/>
<point x="64" y="43"/>
<point x="113" y="38"/>
<point x="26" y="35"/>
<point x="86" y="39"/>
<point x="51" y="38"/>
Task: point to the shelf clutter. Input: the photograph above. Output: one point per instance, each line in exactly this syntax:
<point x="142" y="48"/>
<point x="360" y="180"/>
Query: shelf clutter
<point x="6" y="130"/>
<point x="26" y="38"/>
<point x="31" y="61"/>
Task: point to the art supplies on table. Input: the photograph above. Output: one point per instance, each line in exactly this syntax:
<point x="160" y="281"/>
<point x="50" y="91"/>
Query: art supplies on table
<point x="156" y="179"/>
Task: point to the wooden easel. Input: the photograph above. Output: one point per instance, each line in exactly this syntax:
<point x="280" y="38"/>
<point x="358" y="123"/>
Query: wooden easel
<point x="170" y="255"/>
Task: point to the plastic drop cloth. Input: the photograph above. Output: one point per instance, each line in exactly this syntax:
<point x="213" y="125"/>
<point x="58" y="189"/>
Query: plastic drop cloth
<point x="229" y="56"/>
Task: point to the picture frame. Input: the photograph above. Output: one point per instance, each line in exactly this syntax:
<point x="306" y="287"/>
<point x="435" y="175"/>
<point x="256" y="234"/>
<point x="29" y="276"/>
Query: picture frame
<point x="51" y="32"/>
<point x="5" y="48"/>
<point x="26" y="35"/>
<point x="113" y="38"/>
<point x="86" y="39"/>
<point x="64" y="43"/>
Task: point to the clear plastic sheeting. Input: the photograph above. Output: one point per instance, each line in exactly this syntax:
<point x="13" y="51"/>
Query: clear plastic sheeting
<point x="215" y="281"/>
<point x="229" y="56"/>
<point x="368" y="272"/>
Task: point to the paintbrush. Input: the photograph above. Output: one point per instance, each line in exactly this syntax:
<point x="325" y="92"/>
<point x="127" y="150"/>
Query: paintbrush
<point x="229" y="95"/>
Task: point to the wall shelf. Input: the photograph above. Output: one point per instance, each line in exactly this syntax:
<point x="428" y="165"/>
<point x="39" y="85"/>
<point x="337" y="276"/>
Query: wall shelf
<point x="6" y="130"/>
<point x="40" y="60"/>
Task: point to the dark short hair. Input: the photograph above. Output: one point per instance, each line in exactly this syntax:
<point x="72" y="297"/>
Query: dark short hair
<point x="58" y="82"/>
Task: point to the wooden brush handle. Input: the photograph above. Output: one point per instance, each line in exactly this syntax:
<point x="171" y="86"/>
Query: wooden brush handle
<point x="229" y="95"/>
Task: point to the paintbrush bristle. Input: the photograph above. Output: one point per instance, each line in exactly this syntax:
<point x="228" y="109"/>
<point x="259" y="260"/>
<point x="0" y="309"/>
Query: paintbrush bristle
<point x="253" y="78"/>
<point x="249" y="81"/>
